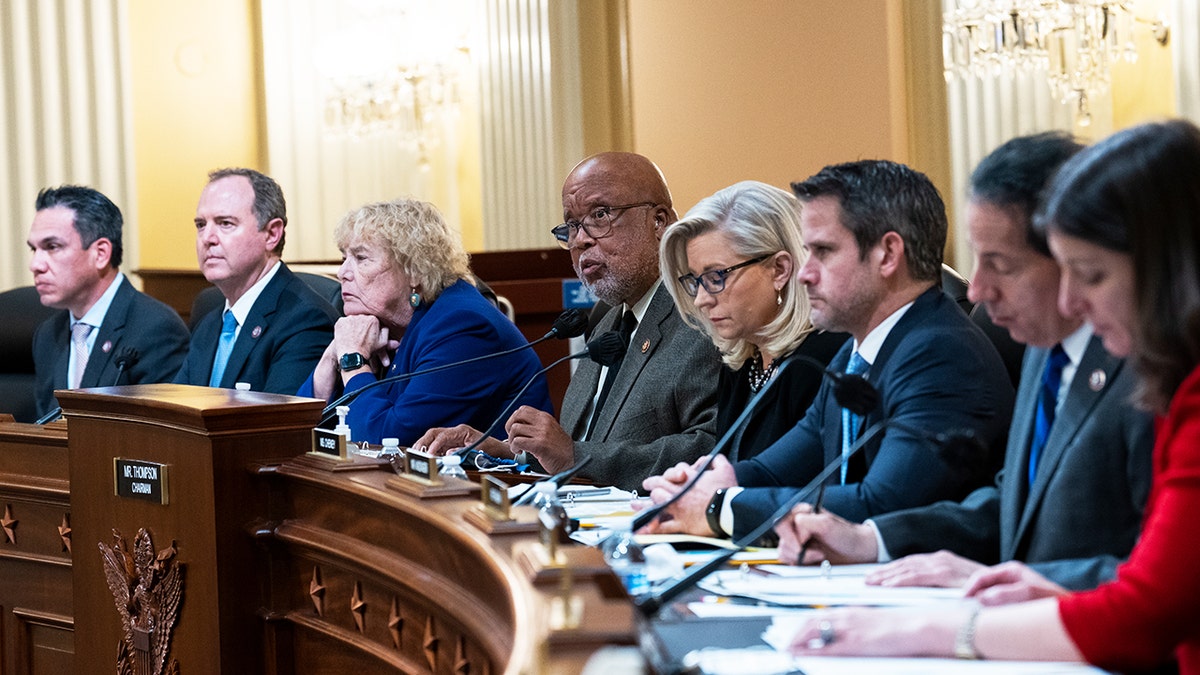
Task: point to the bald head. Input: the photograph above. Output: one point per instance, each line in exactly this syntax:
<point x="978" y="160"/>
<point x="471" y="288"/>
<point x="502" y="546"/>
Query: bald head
<point x="624" y="204"/>
<point x="626" y="175"/>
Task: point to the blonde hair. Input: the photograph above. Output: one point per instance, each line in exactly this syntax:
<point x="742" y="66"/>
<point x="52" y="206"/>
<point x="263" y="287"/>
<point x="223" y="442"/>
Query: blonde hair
<point x="759" y="220"/>
<point x="417" y="239"/>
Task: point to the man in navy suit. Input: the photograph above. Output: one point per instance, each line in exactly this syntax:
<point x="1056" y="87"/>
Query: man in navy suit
<point x="108" y="333"/>
<point x="273" y="328"/>
<point x="875" y="231"/>
<point x="1074" y="508"/>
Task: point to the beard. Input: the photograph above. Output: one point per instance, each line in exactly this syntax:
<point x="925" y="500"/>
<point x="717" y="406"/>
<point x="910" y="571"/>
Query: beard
<point x="624" y="283"/>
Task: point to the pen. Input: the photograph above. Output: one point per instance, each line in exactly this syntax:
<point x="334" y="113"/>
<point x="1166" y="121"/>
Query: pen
<point x="816" y="510"/>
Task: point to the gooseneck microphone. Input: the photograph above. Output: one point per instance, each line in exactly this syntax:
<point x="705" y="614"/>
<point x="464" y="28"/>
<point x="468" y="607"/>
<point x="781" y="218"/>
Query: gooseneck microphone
<point x="603" y="346"/>
<point x="958" y="448"/>
<point x="128" y="359"/>
<point x="124" y="361"/>
<point x="851" y="392"/>
<point x="569" y="324"/>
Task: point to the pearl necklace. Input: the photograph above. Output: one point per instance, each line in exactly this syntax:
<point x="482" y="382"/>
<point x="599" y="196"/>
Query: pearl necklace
<point x="758" y="376"/>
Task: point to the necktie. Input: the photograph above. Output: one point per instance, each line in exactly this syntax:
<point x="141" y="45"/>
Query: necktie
<point x="79" y="335"/>
<point x="628" y="325"/>
<point x="224" y="347"/>
<point x="857" y="366"/>
<point x="1047" y="402"/>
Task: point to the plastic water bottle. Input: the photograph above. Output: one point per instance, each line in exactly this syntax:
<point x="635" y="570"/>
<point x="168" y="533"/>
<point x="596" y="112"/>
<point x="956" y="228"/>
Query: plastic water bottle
<point x="452" y="468"/>
<point x="551" y="512"/>
<point x="391" y="446"/>
<point x="627" y="560"/>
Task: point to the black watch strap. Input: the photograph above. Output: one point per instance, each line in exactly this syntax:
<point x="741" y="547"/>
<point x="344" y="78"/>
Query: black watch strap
<point x="713" y="512"/>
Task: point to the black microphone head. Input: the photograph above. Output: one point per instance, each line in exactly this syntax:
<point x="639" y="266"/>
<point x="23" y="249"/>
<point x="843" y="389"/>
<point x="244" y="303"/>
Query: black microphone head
<point x="128" y="357"/>
<point x="963" y="450"/>
<point x="606" y="349"/>
<point x="569" y="324"/>
<point x="854" y="393"/>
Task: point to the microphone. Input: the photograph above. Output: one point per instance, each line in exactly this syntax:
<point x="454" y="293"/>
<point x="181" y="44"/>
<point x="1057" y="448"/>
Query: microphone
<point x="50" y="416"/>
<point x="851" y="392"/>
<point x="569" y="324"/>
<point x="955" y="447"/>
<point x="128" y="359"/>
<point x="598" y="347"/>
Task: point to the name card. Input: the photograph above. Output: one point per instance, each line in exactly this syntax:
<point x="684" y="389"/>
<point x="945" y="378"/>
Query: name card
<point x="421" y="465"/>
<point x="329" y="444"/>
<point x="135" y="479"/>
<point x="495" y="498"/>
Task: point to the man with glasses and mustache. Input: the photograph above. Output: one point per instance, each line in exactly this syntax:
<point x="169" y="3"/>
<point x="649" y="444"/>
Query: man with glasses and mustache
<point x="657" y="407"/>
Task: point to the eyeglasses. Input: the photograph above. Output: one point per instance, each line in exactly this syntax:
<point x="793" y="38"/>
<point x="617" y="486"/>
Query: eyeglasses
<point x="713" y="281"/>
<point x="598" y="224"/>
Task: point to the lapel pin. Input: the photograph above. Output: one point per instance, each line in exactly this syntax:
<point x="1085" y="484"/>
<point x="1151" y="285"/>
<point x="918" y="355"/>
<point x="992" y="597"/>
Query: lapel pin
<point x="106" y="347"/>
<point x="645" y="345"/>
<point x="256" y="332"/>
<point x="1097" y="380"/>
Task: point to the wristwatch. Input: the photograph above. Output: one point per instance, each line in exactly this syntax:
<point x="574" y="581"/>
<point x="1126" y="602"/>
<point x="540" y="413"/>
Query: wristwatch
<point x="713" y="513"/>
<point x="351" y="361"/>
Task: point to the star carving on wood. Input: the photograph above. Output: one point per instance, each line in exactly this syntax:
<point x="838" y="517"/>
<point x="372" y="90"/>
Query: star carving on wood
<point x="462" y="666"/>
<point x="64" y="533"/>
<point x="358" y="607"/>
<point x="9" y="524"/>
<point x="395" y="622"/>
<point x="430" y="644"/>
<point x="316" y="591"/>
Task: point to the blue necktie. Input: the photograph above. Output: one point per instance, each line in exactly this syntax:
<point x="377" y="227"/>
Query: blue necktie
<point x="857" y="366"/>
<point x="1047" y="402"/>
<point x="224" y="348"/>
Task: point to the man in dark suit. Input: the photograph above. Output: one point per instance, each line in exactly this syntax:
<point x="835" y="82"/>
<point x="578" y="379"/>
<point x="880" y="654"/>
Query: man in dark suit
<point x="273" y="328"/>
<point x="875" y="231"/>
<point x="658" y="407"/>
<point x="109" y="332"/>
<point x="1073" y="506"/>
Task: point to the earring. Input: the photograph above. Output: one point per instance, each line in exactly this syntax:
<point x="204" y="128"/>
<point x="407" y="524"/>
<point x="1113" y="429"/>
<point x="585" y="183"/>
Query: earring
<point x="414" y="298"/>
<point x="778" y="297"/>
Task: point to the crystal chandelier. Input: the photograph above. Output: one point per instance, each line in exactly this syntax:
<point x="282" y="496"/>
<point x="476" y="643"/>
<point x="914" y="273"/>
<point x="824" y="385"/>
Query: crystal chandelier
<point x="397" y="68"/>
<point x="1074" y="42"/>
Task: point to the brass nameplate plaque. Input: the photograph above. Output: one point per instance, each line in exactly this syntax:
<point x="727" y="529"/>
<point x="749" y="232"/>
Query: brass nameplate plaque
<point x="495" y="498"/>
<point x="421" y="466"/>
<point x="135" y="479"/>
<point x="328" y="443"/>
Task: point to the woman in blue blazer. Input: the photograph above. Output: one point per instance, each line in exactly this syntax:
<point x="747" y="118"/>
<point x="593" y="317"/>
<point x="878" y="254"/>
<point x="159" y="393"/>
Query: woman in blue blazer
<point x="410" y="305"/>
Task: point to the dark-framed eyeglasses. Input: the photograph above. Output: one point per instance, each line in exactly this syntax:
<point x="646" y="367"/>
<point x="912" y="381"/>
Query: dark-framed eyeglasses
<point x="713" y="281"/>
<point x="597" y="223"/>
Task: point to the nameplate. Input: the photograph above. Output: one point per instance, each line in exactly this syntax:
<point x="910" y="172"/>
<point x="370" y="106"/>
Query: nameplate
<point x="328" y="443"/>
<point x="495" y="498"/>
<point x="421" y="466"/>
<point x="140" y="480"/>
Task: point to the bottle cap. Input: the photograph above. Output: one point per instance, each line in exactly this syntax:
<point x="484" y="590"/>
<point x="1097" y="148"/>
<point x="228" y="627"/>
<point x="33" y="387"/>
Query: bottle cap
<point x="452" y="460"/>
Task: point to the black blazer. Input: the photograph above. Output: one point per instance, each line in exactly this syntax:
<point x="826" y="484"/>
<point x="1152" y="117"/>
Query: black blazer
<point x="935" y="372"/>
<point x="286" y="332"/>
<point x="783" y="404"/>
<point x="134" y="320"/>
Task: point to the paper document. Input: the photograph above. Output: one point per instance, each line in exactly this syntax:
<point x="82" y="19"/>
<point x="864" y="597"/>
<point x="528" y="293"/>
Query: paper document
<point x="820" y="590"/>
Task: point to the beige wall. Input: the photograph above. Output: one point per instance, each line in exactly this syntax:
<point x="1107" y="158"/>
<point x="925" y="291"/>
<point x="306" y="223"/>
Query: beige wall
<point x="765" y="89"/>
<point x="196" y="107"/>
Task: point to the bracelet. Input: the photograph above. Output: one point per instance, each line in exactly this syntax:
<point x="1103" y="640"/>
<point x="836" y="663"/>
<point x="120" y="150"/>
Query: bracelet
<point x="964" y="640"/>
<point x="713" y="513"/>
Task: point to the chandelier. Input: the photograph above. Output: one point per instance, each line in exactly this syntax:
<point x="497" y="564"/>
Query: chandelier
<point x="1074" y="42"/>
<point x="396" y="67"/>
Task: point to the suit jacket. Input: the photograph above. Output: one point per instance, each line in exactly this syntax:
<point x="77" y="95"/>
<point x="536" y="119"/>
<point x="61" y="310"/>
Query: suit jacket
<point x="662" y="407"/>
<point x="1084" y="510"/>
<point x="782" y="404"/>
<point x="134" y="320"/>
<point x="935" y="372"/>
<point x="460" y="324"/>
<point x="285" y="334"/>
